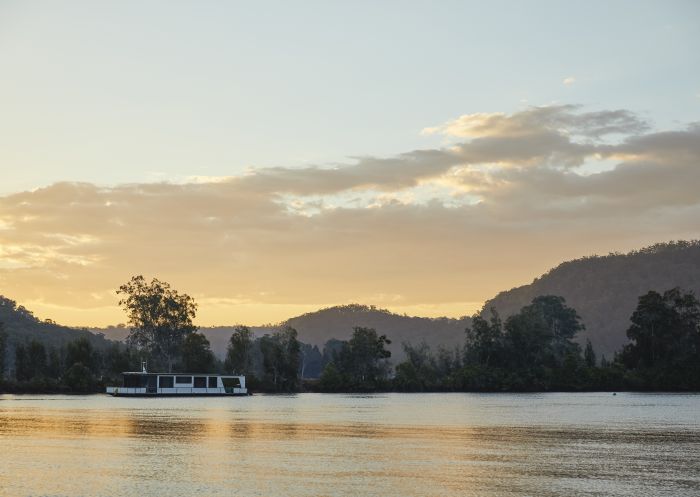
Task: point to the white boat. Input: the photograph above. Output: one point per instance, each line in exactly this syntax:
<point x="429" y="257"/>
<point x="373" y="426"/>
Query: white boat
<point x="145" y="384"/>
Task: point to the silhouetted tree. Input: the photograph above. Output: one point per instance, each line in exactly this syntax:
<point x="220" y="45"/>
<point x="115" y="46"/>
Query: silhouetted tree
<point x="22" y="368"/>
<point x="160" y="317"/>
<point x="3" y="350"/>
<point x="532" y="350"/>
<point x="418" y="372"/>
<point x="542" y="332"/>
<point x="331" y="380"/>
<point x="527" y="339"/>
<point x="81" y="350"/>
<point x="484" y="339"/>
<point x="197" y="356"/>
<point x="54" y="367"/>
<point x="79" y="378"/>
<point x="447" y="361"/>
<point x="363" y="359"/>
<point x="589" y="355"/>
<point x="331" y="349"/>
<point x="665" y="340"/>
<point x="310" y="361"/>
<point x="280" y="354"/>
<point x="239" y="358"/>
<point x="30" y="361"/>
<point x="119" y="358"/>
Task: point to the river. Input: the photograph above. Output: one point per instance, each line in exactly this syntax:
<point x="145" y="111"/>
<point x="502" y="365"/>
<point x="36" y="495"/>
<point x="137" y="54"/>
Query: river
<point x="555" y="444"/>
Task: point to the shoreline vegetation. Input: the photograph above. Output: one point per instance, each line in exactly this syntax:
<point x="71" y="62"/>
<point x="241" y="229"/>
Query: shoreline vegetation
<point x="533" y="350"/>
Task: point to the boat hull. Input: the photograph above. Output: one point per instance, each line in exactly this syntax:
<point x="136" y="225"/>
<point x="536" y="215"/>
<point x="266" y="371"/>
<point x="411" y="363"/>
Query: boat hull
<point x="145" y="384"/>
<point x="179" y="394"/>
<point x="176" y="392"/>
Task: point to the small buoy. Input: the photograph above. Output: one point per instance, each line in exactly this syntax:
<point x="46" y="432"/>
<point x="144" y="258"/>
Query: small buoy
<point x="614" y="393"/>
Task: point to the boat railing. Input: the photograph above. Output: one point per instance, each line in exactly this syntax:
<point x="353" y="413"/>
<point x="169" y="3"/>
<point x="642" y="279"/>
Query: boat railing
<point x="173" y="391"/>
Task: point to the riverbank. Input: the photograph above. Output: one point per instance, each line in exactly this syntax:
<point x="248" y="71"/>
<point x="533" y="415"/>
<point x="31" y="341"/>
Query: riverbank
<point x="48" y="387"/>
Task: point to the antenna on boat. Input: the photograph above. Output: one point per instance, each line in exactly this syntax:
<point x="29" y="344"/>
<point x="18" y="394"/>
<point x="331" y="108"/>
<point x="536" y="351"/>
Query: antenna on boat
<point x="143" y="367"/>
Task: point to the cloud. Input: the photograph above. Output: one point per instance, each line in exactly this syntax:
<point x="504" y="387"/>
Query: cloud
<point x="568" y="81"/>
<point x="433" y="226"/>
<point x="402" y="171"/>
<point x="566" y="120"/>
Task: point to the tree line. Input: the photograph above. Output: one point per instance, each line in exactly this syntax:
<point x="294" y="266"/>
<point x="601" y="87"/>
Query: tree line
<point x="76" y="366"/>
<point x="532" y="350"/>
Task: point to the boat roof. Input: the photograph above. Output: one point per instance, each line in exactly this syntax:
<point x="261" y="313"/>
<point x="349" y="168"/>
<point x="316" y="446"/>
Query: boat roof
<point x="149" y="373"/>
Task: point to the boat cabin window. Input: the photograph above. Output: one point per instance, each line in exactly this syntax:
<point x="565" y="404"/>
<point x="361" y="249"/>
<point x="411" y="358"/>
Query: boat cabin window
<point x="183" y="379"/>
<point x="134" y="381"/>
<point x="212" y="382"/>
<point x="231" y="382"/>
<point x="165" y="381"/>
<point x="200" y="382"/>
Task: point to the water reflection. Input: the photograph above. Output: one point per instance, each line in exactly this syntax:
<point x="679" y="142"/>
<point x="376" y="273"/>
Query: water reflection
<point x="167" y="428"/>
<point x="334" y="445"/>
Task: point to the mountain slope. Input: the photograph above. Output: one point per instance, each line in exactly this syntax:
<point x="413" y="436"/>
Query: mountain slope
<point x="338" y="322"/>
<point x="22" y="326"/>
<point x="316" y="328"/>
<point x="604" y="289"/>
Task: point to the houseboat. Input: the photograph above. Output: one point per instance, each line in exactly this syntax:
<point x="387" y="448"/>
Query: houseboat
<point x="145" y="384"/>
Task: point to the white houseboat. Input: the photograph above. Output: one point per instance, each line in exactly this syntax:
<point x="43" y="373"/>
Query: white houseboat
<point x="145" y="384"/>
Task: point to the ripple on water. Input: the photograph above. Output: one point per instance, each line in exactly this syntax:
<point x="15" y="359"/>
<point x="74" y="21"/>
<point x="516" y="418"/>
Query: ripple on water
<point x="384" y="445"/>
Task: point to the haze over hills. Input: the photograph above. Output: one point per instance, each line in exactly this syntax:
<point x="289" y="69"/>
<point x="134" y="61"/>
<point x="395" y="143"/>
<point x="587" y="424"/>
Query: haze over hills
<point x="316" y="328"/>
<point x="604" y="289"/>
<point x="22" y="326"/>
<point x="337" y="322"/>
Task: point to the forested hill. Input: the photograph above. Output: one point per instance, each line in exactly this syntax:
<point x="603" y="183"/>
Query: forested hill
<point x="604" y="289"/>
<point x="22" y="326"/>
<point x="338" y="322"/>
<point x="316" y="328"/>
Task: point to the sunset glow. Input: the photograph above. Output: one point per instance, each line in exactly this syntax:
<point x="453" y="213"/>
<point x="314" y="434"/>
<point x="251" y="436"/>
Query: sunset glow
<point x="255" y="169"/>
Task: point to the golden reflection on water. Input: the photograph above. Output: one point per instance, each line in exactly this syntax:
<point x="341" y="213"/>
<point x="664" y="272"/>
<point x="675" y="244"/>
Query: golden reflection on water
<point x="211" y="451"/>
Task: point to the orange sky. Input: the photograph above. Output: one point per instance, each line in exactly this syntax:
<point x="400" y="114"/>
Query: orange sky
<point x="428" y="232"/>
<point x="270" y="159"/>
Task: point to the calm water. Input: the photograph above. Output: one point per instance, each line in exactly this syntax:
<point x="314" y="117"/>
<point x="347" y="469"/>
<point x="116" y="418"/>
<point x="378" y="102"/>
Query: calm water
<point x="345" y="445"/>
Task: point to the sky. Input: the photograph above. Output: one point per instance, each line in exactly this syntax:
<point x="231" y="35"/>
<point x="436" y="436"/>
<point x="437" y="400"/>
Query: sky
<point x="273" y="158"/>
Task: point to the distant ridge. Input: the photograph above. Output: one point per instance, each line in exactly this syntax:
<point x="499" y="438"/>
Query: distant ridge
<point x="338" y="322"/>
<point x="316" y="328"/>
<point x="604" y="289"/>
<point x="22" y="326"/>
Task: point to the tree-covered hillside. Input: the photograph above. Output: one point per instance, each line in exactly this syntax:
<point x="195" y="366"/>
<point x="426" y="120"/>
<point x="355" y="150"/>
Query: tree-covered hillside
<point x="22" y="326"/>
<point x="604" y="289"/>
<point x="338" y="322"/>
<point x="316" y="328"/>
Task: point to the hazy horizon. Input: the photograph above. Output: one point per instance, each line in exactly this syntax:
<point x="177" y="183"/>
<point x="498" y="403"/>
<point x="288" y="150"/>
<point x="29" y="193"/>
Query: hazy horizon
<point x="275" y="159"/>
<point x="420" y="312"/>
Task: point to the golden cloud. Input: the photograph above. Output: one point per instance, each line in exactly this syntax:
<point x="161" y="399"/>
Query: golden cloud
<point x="436" y="227"/>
